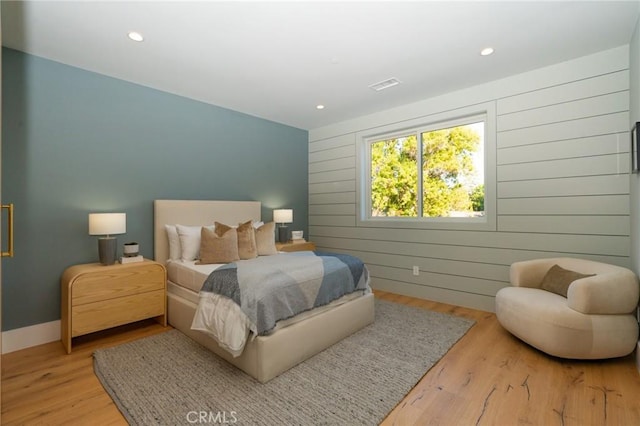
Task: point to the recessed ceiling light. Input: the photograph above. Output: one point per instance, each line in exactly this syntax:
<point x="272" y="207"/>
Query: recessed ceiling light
<point x="486" y="51"/>
<point x="319" y="106"/>
<point x="135" y="36"/>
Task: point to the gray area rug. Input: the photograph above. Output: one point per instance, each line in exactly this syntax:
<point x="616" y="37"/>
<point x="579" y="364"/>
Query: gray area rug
<point x="168" y="379"/>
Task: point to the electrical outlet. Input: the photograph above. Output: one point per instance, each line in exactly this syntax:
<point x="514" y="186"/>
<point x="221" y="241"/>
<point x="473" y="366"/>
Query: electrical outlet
<point x="416" y="270"/>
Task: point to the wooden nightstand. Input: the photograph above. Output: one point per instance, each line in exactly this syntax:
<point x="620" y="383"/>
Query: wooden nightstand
<point x="295" y="246"/>
<point x="96" y="297"/>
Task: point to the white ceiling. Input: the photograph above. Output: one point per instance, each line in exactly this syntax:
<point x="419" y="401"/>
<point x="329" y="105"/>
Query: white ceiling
<point x="278" y="60"/>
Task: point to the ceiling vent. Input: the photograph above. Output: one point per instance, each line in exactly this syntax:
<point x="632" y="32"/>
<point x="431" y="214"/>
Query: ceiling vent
<point x="385" y="84"/>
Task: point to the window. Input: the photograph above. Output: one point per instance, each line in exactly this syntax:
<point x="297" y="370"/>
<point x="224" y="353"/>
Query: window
<point x="434" y="172"/>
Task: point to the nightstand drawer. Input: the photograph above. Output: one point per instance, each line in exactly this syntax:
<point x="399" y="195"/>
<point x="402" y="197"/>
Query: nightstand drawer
<point x="105" y="314"/>
<point x="114" y="283"/>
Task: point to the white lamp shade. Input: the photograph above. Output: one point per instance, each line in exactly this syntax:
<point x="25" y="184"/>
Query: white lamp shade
<point x="107" y="223"/>
<point x="283" y="216"/>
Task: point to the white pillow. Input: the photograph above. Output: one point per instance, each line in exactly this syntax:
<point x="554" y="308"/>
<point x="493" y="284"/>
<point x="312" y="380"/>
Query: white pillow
<point x="190" y="241"/>
<point x="175" y="253"/>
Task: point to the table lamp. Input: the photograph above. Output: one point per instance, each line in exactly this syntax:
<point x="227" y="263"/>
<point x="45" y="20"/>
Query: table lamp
<point x="107" y="224"/>
<point x="283" y="216"/>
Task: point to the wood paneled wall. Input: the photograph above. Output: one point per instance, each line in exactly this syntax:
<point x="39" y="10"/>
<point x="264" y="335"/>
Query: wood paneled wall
<point x="562" y="177"/>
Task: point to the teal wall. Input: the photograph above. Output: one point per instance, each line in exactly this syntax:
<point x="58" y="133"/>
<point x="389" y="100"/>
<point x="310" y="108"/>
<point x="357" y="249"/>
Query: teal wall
<point x="75" y="142"/>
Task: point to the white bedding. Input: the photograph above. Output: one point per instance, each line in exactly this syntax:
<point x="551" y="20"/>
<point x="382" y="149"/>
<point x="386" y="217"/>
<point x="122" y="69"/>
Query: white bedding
<point x="189" y="275"/>
<point x="222" y="319"/>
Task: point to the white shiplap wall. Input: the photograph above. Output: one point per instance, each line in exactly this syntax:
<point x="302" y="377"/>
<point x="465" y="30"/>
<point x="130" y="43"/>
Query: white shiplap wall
<point x="562" y="171"/>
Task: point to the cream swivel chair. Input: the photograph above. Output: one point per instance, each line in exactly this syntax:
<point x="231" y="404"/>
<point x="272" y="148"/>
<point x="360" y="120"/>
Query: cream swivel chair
<point x="595" y="321"/>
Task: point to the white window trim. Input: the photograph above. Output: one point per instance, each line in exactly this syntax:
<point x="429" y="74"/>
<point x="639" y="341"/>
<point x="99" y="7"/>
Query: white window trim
<point x="363" y="178"/>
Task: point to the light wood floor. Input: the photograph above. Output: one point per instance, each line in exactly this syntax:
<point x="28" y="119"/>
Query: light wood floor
<point x="487" y="378"/>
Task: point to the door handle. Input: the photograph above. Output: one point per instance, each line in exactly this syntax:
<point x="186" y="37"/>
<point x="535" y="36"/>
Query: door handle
<point x="9" y="208"/>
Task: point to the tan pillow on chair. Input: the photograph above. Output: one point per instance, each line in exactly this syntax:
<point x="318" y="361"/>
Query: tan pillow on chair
<point x="557" y="280"/>
<point x="219" y="245"/>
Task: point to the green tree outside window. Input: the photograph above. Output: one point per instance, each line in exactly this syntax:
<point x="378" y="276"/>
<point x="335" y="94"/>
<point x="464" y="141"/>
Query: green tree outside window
<point x="451" y="184"/>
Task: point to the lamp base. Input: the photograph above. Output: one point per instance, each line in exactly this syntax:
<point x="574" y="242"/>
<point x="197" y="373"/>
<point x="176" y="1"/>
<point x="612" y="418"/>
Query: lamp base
<point x="283" y="234"/>
<point x="107" y="250"/>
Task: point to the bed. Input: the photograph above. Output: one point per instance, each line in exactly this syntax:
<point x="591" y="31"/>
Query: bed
<point x="263" y="357"/>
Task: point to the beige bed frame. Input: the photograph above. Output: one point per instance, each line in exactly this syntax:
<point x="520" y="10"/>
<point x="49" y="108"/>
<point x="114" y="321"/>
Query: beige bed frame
<point x="264" y="357"/>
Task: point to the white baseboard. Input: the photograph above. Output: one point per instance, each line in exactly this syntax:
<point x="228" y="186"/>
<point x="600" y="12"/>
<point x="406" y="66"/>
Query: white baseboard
<point x="452" y="297"/>
<point x="26" y="337"/>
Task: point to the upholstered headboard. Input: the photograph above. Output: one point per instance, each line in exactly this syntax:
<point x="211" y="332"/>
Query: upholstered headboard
<point x="196" y="212"/>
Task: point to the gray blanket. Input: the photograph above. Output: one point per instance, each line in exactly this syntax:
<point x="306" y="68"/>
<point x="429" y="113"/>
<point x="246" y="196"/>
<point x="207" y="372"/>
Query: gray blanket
<point x="272" y="288"/>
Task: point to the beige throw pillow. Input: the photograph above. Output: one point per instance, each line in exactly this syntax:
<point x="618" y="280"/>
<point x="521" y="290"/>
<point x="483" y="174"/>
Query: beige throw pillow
<point x="557" y="280"/>
<point x="247" y="241"/>
<point x="221" y="228"/>
<point x="219" y="245"/>
<point x="266" y="240"/>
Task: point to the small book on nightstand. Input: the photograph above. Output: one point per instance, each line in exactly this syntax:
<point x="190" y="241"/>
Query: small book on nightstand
<point x="131" y="259"/>
<point x="298" y="240"/>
